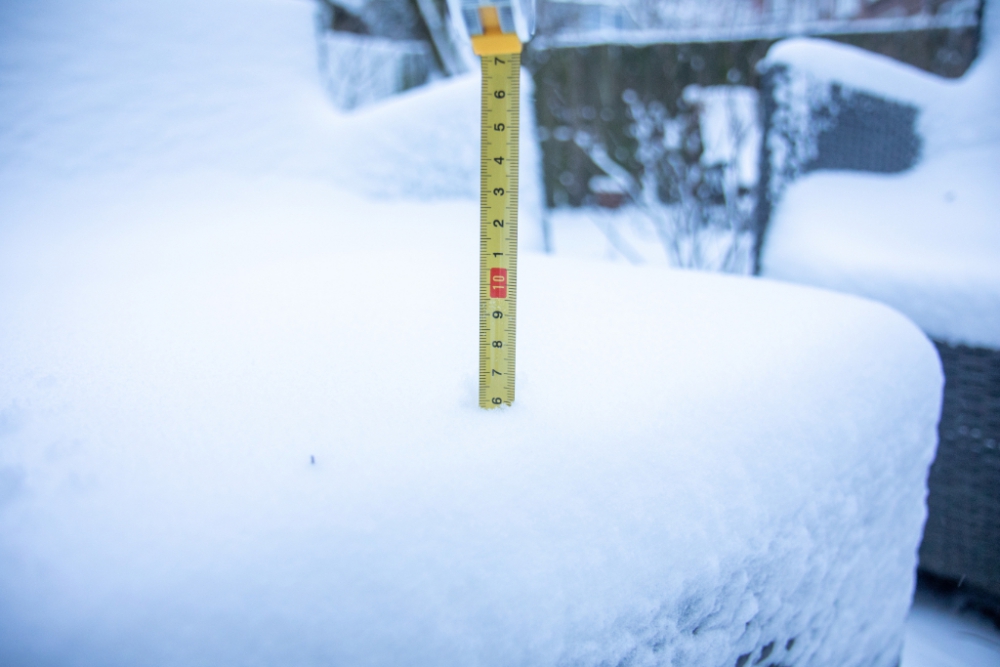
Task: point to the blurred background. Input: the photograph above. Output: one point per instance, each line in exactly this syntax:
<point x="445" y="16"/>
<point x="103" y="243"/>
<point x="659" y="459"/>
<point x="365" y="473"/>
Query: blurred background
<point x="652" y="115"/>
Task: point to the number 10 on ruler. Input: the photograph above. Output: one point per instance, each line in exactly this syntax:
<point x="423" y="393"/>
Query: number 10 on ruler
<point x="498" y="223"/>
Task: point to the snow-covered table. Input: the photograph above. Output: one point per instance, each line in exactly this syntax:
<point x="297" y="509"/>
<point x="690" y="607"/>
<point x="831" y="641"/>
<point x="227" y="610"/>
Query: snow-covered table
<point x="237" y="432"/>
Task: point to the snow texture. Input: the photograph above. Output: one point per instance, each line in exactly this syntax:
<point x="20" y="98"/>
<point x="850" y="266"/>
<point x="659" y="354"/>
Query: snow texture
<point x="219" y="86"/>
<point x="940" y="635"/>
<point x="926" y="241"/>
<point x="238" y="419"/>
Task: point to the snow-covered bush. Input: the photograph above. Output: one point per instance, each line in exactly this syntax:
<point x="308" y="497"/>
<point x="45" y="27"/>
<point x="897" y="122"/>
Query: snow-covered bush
<point x="697" y="172"/>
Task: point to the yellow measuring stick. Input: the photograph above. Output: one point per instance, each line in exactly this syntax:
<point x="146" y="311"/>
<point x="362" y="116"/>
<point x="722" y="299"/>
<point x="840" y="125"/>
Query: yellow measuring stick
<point x="501" y="59"/>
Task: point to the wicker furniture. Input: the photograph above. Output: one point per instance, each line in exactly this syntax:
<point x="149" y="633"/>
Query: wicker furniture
<point x="826" y="126"/>
<point x="962" y="534"/>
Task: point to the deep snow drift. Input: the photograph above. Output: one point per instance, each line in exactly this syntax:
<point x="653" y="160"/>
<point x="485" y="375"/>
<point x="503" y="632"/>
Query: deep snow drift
<point x="238" y="419"/>
<point x="926" y="241"/>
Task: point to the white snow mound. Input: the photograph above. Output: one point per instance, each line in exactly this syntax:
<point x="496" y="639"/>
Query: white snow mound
<point x="696" y="467"/>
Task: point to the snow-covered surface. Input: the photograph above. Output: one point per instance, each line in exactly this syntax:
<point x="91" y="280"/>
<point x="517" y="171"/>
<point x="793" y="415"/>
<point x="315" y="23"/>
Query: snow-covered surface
<point x="940" y="635"/>
<point x="619" y="235"/>
<point x="628" y="234"/>
<point x="169" y="376"/>
<point x="237" y="392"/>
<point x="926" y="241"/>
<point x="100" y="86"/>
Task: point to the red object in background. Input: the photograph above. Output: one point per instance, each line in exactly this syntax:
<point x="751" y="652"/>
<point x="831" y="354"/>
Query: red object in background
<point x="498" y="283"/>
<point x="610" y="199"/>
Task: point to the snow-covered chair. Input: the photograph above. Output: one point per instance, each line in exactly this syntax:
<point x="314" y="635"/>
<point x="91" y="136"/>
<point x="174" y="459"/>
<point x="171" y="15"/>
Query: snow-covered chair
<point x="919" y="231"/>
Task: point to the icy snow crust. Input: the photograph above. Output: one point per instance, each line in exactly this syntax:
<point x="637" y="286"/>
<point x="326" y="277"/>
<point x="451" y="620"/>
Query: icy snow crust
<point x="927" y="241"/>
<point x="238" y="419"/>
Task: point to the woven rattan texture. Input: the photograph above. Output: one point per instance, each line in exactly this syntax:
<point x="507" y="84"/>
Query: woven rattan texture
<point x="962" y="536"/>
<point x="866" y="133"/>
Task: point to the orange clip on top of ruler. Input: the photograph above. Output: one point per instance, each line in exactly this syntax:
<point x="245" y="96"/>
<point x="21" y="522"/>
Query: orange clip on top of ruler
<point x="493" y="41"/>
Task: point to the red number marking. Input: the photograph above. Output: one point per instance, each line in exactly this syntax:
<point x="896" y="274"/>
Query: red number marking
<point x="498" y="283"/>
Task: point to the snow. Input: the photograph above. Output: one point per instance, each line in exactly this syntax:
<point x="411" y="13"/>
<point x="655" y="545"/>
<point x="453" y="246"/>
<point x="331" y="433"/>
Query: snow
<point x="225" y="86"/>
<point x="939" y="635"/>
<point x="170" y="381"/>
<point x="730" y="129"/>
<point x="927" y="241"/>
<point x="238" y="419"/>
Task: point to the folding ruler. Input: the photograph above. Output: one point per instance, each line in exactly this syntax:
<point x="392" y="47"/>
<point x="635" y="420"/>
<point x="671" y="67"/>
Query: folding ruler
<point x="498" y="28"/>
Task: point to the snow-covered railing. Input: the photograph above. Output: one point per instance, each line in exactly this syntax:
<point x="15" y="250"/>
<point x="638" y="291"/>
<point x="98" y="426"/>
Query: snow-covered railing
<point x="360" y="69"/>
<point x="370" y="50"/>
<point x="641" y="22"/>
